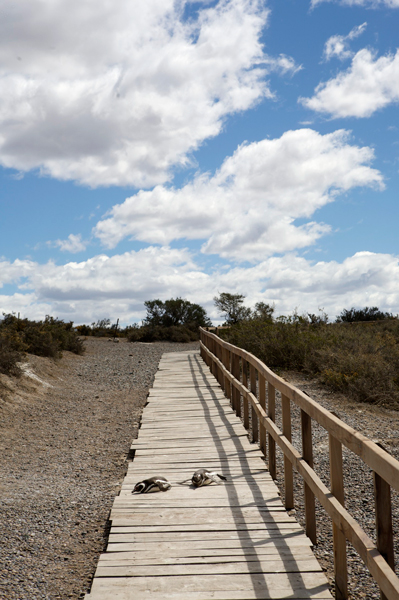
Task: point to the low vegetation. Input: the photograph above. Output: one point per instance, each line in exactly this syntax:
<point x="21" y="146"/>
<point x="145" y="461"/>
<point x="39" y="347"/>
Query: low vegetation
<point x="44" y="338"/>
<point x="356" y="355"/>
<point x="101" y="328"/>
<point x="173" y="320"/>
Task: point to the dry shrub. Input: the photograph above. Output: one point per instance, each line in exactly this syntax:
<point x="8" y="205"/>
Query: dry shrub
<point x="9" y="358"/>
<point x="44" y="338"/>
<point x="176" y="333"/>
<point x="359" y="359"/>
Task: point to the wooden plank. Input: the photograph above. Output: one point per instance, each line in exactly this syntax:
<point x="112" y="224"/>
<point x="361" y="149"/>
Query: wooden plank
<point x="125" y="594"/>
<point x="186" y="521"/>
<point x="229" y="546"/>
<point x="178" y="554"/>
<point x="237" y="462"/>
<point x="208" y="568"/>
<point x="230" y="450"/>
<point x="272" y="528"/>
<point x="281" y="585"/>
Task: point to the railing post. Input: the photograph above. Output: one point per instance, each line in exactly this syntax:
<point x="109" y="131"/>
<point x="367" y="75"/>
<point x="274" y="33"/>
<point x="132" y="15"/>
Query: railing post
<point x="235" y="368"/>
<point x="219" y="354"/>
<point x="262" y="402"/>
<point x="213" y="349"/>
<point x="337" y="489"/>
<point x="307" y="452"/>
<point x="271" y="413"/>
<point x="226" y="363"/>
<point x="245" y="383"/>
<point x="288" y="471"/>
<point x="254" y="416"/>
<point x="383" y="518"/>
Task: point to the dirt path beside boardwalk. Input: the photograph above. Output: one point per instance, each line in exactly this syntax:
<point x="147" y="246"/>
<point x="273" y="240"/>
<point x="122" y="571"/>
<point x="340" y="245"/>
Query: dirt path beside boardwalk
<point x="64" y="441"/>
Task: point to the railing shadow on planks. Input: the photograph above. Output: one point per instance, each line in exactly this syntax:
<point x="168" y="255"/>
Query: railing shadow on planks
<point x="243" y="376"/>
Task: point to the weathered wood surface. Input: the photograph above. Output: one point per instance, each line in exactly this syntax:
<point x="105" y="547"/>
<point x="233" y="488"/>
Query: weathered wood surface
<point x="233" y="541"/>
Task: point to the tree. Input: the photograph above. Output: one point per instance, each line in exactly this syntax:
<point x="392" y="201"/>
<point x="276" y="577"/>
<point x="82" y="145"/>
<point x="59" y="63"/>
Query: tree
<point x="263" y="311"/>
<point x="232" y="306"/>
<point x="175" y="311"/>
<point x="365" y="314"/>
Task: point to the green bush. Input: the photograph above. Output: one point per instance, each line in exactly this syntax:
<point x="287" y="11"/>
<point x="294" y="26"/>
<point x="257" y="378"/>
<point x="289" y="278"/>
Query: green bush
<point x="354" y="315"/>
<point x="360" y="359"/>
<point x="43" y="338"/>
<point x="175" y="333"/>
<point x="102" y="328"/>
<point x="9" y="358"/>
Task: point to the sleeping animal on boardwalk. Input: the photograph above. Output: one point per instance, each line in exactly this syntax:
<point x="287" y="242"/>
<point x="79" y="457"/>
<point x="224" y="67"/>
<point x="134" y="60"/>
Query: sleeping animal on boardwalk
<point x="153" y="484"/>
<point x="205" y="477"/>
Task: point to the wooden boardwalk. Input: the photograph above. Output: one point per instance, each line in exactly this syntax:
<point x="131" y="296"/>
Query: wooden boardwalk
<point x="233" y="541"/>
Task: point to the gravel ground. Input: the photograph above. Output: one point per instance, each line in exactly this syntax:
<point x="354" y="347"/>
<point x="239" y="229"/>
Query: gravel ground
<point x="64" y="448"/>
<point x="64" y="443"/>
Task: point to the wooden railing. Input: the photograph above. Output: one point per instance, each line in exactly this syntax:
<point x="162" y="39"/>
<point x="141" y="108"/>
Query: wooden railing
<point x="243" y="376"/>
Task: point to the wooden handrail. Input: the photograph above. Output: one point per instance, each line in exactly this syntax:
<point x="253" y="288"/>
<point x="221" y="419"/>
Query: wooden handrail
<point x="230" y="365"/>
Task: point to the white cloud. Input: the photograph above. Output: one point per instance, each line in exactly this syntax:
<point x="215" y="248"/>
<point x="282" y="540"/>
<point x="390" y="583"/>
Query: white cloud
<point x="12" y="272"/>
<point x="118" y="286"/>
<point x="368" y="85"/>
<point x="102" y="286"/>
<point x="283" y="63"/>
<point x="365" y="3"/>
<point x="27" y="305"/>
<point x="292" y="282"/>
<point x="103" y="277"/>
<point x="338" y="45"/>
<point x="119" y="93"/>
<point x="247" y="210"/>
<point x="73" y="244"/>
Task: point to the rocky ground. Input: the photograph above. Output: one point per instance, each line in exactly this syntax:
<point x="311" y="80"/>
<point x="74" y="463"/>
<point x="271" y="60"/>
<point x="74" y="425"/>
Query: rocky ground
<point x="65" y="432"/>
<point x="65" y="436"/>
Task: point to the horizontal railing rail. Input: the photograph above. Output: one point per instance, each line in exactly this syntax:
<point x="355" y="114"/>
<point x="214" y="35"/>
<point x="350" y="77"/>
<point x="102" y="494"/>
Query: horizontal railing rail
<point x="243" y="376"/>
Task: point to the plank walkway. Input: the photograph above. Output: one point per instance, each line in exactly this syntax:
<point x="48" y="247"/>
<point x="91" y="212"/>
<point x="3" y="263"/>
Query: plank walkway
<point x="233" y="541"/>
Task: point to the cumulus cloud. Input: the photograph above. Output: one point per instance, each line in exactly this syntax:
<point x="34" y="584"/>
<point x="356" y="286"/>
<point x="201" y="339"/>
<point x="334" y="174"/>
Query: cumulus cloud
<point x="338" y="45"/>
<point x="27" y="305"/>
<point x="72" y="244"/>
<point x="248" y="208"/>
<point x="294" y="283"/>
<point x="117" y="286"/>
<point x="105" y="277"/>
<point x="102" y="286"/>
<point x="365" y="3"/>
<point x="368" y="85"/>
<point x="119" y="93"/>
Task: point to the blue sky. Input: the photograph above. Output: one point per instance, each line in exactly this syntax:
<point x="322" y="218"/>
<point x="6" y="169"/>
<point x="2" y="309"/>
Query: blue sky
<point x="178" y="148"/>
